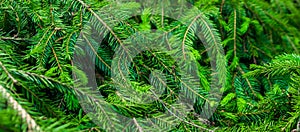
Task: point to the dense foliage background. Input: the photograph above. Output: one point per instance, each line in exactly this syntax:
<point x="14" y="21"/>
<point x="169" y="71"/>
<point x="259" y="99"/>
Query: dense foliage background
<point x="260" y="38"/>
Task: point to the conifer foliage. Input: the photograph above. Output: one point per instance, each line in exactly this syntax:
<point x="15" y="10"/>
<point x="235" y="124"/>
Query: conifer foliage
<point x="249" y="50"/>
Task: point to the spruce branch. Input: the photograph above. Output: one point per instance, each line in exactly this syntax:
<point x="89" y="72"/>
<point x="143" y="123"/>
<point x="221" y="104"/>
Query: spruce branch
<point x="32" y="125"/>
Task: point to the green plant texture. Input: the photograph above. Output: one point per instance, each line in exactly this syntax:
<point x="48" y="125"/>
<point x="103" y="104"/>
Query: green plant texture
<point x="249" y="49"/>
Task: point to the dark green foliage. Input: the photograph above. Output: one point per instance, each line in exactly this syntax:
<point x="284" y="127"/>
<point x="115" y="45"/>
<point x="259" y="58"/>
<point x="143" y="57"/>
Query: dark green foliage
<point x="258" y="74"/>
